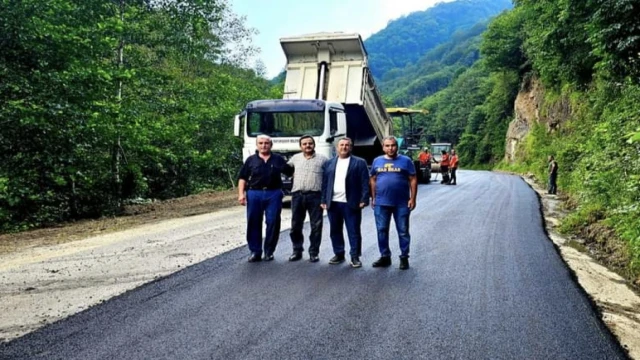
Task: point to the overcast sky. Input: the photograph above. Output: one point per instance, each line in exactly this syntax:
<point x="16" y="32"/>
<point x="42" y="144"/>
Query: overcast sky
<point x="280" y="18"/>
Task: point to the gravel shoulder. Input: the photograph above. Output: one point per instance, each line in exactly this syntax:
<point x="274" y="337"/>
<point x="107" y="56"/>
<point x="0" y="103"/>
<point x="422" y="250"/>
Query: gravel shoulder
<point x="49" y="274"/>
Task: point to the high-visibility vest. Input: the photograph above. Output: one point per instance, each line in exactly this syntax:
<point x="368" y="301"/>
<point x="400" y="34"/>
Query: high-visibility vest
<point x="454" y="161"/>
<point x="424" y="157"/>
<point x="445" y="160"/>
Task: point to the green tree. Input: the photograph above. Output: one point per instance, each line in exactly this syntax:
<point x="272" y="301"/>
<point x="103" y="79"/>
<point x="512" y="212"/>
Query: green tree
<point x="107" y="101"/>
<point x="502" y="45"/>
<point x="615" y="36"/>
<point x="556" y="40"/>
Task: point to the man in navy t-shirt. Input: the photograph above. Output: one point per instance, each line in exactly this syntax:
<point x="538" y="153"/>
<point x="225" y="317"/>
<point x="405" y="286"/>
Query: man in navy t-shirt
<point x="394" y="187"/>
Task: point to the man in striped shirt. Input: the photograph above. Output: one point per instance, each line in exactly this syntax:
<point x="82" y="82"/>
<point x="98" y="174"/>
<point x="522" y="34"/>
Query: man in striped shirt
<point x="306" y="191"/>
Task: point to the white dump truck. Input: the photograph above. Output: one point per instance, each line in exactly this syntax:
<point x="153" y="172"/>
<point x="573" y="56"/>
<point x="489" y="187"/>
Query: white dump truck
<point x="329" y="93"/>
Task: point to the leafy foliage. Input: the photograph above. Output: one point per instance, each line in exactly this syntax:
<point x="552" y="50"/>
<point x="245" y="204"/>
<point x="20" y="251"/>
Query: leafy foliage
<point x="614" y="33"/>
<point x="108" y="101"/>
<point x="435" y="70"/>
<point x="408" y="38"/>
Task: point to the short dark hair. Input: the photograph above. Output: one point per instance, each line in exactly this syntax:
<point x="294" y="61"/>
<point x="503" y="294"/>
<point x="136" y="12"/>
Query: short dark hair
<point x="306" y="137"/>
<point x="390" y="138"/>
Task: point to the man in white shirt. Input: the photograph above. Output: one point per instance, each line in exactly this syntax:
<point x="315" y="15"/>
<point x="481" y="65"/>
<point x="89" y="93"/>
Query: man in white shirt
<point x="345" y="192"/>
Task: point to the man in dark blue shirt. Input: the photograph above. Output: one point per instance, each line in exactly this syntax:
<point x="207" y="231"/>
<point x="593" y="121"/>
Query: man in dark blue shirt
<point x="394" y="187"/>
<point x="260" y="189"/>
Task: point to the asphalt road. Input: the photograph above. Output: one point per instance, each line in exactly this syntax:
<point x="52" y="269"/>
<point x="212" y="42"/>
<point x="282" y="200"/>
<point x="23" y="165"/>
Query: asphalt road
<point x="485" y="283"/>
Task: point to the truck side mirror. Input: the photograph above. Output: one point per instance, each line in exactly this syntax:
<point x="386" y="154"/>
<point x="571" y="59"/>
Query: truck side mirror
<point x="236" y="126"/>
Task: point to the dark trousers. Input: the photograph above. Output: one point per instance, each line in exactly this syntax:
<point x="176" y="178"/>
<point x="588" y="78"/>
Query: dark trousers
<point x="302" y="203"/>
<point x="444" y="169"/>
<point x="552" y="183"/>
<point x="265" y="204"/>
<point x="453" y="175"/>
<point x="341" y="214"/>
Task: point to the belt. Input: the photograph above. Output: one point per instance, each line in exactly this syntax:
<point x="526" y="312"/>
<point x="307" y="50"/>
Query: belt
<point x="263" y="188"/>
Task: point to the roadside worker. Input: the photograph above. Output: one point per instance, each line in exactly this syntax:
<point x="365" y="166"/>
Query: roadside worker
<point x="453" y="166"/>
<point x="425" y="157"/>
<point x="444" y="167"/>
<point x="553" y="175"/>
<point x="345" y="192"/>
<point x="306" y="191"/>
<point x="394" y="187"/>
<point x="260" y="189"/>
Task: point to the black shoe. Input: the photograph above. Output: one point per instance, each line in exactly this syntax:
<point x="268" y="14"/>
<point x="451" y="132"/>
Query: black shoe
<point x="355" y="262"/>
<point x="295" y="256"/>
<point x="384" y="261"/>
<point x="336" y="259"/>
<point x="314" y="258"/>
<point x="255" y="258"/>
<point x="404" y="263"/>
<point x="268" y="257"/>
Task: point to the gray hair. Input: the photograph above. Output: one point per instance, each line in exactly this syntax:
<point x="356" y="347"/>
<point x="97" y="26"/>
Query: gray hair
<point x="347" y="139"/>
<point x="263" y="136"/>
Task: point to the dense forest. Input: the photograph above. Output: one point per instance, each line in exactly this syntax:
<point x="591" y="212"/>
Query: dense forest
<point x="107" y="101"/>
<point x="406" y="39"/>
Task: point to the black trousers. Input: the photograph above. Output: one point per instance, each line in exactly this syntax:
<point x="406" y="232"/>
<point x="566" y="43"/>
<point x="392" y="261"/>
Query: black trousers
<point x="301" y="204"/>
<point x="444" y="169"/>
<point x="453" y="174"/>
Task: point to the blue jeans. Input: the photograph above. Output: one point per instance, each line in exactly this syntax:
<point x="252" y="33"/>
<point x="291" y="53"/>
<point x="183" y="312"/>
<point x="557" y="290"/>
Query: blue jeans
<point x="341" y="214"/>
<point x="267" y="203"/>
<point x="383" y="221"/>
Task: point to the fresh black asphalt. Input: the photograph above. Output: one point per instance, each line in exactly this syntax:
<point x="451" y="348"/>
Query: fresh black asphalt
<point x="485" y="283"/>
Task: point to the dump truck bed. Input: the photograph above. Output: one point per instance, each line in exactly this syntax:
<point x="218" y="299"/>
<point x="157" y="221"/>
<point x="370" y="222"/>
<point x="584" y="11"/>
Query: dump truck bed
<point x="334" y="67"/>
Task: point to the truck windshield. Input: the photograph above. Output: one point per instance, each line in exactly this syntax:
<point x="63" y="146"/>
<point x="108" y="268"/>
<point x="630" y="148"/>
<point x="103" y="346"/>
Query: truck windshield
<point x="289" y="124"/>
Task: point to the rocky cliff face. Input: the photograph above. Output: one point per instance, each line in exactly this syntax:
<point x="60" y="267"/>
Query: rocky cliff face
<point x="527" y="113"/>
<point x="531" y="108"/>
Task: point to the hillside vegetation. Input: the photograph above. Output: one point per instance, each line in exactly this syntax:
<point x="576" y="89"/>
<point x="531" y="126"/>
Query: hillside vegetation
<point x="406" y="39"/>
<point x="103" y="102"/>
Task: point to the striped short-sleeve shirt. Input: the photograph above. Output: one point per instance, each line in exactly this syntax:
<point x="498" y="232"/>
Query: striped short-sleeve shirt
<point x="307" y="174"/>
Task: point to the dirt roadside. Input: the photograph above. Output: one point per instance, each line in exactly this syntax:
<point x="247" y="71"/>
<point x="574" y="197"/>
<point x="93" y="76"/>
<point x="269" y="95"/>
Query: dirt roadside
<point x="50" y="274"/>
<point x="134" y="215"/>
